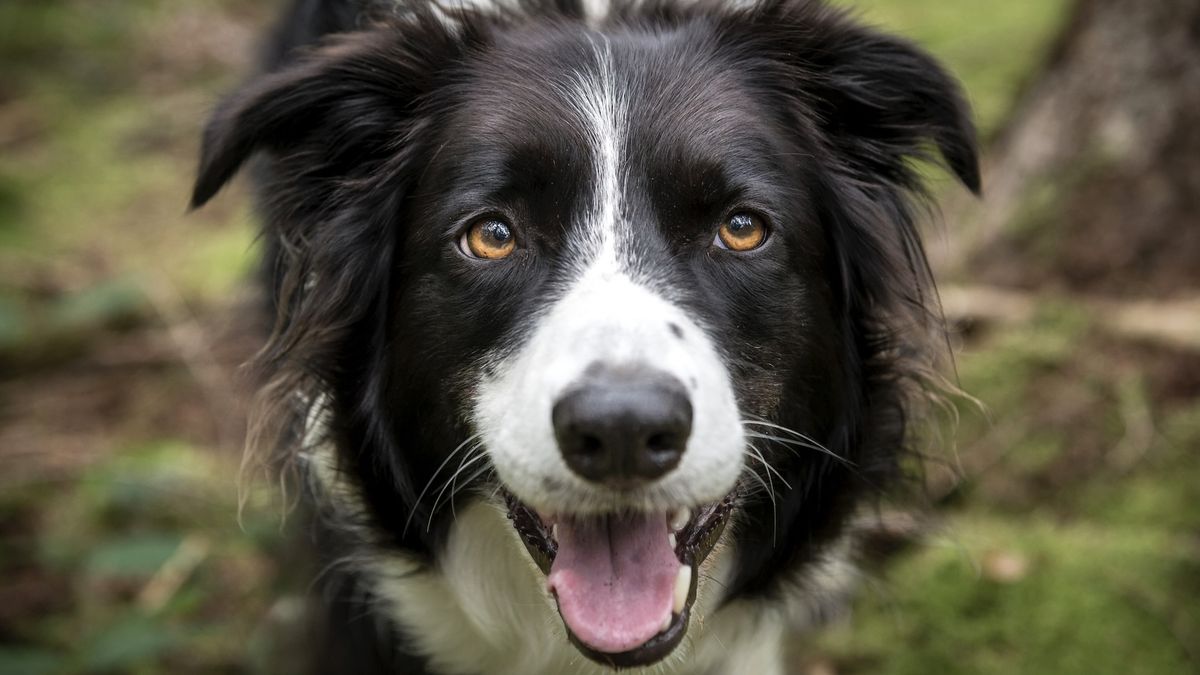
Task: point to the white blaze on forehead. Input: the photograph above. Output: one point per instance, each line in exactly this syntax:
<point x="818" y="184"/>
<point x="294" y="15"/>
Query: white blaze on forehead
<point x="601" y="106"/>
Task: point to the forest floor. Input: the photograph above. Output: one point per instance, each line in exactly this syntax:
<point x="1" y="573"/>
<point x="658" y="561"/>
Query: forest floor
<point x="1065" y="533"/>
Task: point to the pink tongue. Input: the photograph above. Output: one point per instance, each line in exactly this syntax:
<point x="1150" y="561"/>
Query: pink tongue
<point x="615" y="579"/>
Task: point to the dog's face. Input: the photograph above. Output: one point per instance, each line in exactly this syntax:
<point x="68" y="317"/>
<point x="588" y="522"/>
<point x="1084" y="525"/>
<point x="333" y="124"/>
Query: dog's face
<point x="618" y="230"/>
<point x="633" y="281"/>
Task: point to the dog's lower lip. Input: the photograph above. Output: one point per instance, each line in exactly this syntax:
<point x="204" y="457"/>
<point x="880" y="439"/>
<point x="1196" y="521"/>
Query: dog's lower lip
<point x="694" y="533"/>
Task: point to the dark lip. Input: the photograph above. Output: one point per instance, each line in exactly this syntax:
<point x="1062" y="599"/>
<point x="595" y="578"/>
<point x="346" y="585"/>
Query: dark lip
<point x="693" y="544"/>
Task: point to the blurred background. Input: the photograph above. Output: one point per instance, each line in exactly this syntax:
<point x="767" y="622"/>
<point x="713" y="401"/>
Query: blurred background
<point x="1065" y="533"/>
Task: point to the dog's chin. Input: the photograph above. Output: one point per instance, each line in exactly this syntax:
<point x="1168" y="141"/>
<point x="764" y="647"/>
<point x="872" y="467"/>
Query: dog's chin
<point x="624" y="583"/>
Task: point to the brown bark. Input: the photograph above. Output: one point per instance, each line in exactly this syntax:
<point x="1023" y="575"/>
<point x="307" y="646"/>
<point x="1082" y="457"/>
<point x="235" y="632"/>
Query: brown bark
<point x="1095" y="183"/>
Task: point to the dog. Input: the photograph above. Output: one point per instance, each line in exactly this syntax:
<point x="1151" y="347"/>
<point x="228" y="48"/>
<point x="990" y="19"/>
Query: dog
<point x="598" y="325"/>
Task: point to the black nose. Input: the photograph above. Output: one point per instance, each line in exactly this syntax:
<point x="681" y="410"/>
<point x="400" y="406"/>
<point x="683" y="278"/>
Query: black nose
<point x="623" y="427"/>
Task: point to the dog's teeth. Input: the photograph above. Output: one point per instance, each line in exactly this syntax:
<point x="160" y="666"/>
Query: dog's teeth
<point x="683" y="584"/>
<point x="671" y="540"/>
<point x="666" y="622"/>
<point x="554" y="532"/>
<point x="680" y="518"/>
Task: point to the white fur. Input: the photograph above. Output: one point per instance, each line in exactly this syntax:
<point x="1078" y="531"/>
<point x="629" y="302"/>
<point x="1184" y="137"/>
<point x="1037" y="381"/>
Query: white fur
<point x="609" y="314"/>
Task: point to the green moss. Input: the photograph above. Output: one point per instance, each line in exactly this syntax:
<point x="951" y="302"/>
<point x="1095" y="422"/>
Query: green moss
<point x="1162" y="490"/>
<point x="1001" y="371"/>
<point x="1087" y="602"/>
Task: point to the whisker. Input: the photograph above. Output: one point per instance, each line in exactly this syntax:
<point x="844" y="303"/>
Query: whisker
<point x="417" y="503"/>
<point x="780" y="427"/>
<point x="770" y="493"/>
<point x="450" y="481"/>
<point x="495" y="491"/>
<point x="803" y="442"/>
<point x="454" y="480"/>
<point x="757" y="454"/>
<point x="774" y="517"/>
<point x="479" y="473"/>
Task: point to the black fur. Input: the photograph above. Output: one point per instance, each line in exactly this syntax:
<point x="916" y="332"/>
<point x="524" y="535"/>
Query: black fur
<point x="377" y="141"/>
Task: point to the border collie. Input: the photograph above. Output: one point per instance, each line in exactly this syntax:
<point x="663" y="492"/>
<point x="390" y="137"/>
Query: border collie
<point x="597" y="325"/>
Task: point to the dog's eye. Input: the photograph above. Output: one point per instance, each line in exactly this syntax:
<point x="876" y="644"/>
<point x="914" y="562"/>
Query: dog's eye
<point x="741" y="232"/>
<point x="489" y="239"/>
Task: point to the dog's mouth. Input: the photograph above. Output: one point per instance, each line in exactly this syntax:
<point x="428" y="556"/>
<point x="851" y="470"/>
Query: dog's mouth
<point x="624" y="583"/>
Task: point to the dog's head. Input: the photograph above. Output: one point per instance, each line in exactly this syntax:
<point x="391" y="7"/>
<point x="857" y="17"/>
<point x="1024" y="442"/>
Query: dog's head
<point x="634" y="278"/>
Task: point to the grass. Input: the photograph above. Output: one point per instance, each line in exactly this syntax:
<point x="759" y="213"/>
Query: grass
<point x="1035" y="596"/>
<point x="1068" y="545"/>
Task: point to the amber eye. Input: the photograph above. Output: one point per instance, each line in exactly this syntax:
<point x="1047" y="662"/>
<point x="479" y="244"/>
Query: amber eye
<point x="741" y="232"/>
<point x="489" y="239"/>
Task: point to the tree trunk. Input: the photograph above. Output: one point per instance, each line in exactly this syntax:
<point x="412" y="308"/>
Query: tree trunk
<point x="1094" y="185"/>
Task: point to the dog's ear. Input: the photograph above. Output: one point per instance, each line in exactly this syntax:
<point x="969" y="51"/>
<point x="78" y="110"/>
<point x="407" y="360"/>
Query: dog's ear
<point x="351" y="95"/>
<point x="888" y="98"/>
<point x="261" y="115"/>
<point x="882" y="100"/>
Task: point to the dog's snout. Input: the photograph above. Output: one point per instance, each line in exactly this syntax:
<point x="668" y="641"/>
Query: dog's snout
<point x="623" y="427"/>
